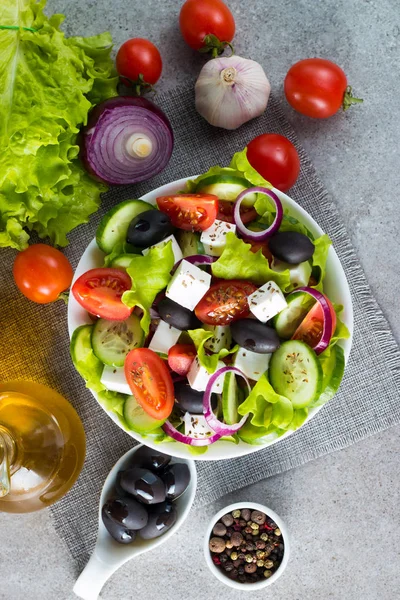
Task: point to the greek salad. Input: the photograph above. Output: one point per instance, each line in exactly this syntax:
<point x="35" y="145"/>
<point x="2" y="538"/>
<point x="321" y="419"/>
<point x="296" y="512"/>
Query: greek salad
<point x="210" y="320"/>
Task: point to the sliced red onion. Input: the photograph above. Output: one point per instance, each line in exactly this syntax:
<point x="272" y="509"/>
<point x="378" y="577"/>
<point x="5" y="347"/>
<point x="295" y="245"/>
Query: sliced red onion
<point x="215" y="424"/>
<point x="153" y="313"/>
<point x="187" y="439"/>
<point x="126" y="140"/>
<point x="327" y="330"/>
<point x="258" y="236"/>
<point x="196" y="259"/>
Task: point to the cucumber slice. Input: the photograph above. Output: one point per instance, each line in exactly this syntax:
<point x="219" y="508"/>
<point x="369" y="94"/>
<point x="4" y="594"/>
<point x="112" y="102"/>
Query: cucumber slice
<point x="122" y="261"/>
<point x="333" y="365"/>
<point x="114" y="225"/>
<point x="226" y="187"/>
<point x="137" y="418"/>
<point x="230" y="399"/>
<point x="295" y="372"/>
<point x="190" y="243"/>
<point x="112" y="340"/>
<point x="287" y="321"/>
<point x="85" y="362"/>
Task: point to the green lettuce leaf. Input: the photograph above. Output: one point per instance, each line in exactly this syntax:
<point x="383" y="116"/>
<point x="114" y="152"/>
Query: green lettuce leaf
<point x="48" y="84"/>
<point x="341" y="331"/>
<point x="209" y="361"/>
<point x="320" y="256"/>
<point x="150" y="274"/>
<point x="240" y="164"/>
<point x="237" y="261"/>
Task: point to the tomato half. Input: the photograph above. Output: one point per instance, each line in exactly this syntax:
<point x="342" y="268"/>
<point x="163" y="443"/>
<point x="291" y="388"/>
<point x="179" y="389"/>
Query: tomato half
<point x="191" y="212"/>
<point x="180" y="357"/>
<point x="150" y="382"/>
<point x="41" y="273"/>
<point x="139" y="56"/>
<point x="310" y="329"/>
<point x="316" y="87"/>
<point x="275" y="158"/>
<point x="199" y="18"/>
<point x="225" y="302"/>
<point x="99" y="291"/>
<point x="225" y="212"/>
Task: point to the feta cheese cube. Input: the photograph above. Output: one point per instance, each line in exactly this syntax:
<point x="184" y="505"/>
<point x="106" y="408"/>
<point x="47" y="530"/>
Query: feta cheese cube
<point x="299" y="274"/>
<point x="164" y="337"/>
<point x="267" y="301"/>
<point x="196" y="426"/>
<point x="175" y="247"/>
<point x="114" y="379"/>
<point x="188" y="285"/>
<point x="198" y="377"/>
<point x="213" y="238"/>
<point x="252" y="364"/>
<point x="221" y="339"/>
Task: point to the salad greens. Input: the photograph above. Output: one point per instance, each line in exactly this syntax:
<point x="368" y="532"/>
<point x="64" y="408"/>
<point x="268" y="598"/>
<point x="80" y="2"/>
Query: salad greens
<point x="48" y="85"/>
<point x="209" y="361"/>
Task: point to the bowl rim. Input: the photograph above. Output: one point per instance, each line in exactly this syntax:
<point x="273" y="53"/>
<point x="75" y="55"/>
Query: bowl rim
<point x="247" y="587"/>
<point x="225" y="450"/>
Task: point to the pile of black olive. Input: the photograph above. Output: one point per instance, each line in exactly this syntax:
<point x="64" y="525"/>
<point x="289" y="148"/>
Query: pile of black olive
<point x="144" y="495"/>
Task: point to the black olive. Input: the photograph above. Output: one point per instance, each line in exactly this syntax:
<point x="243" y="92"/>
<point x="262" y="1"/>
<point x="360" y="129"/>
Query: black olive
<point x="127" y="512"/>
<point x="190" y="400"/>
<point x="147" y="458"/>
<point x="120" y="493"/>
<point x="143" y="485"/>
<point x="117" y="531"/>
<point x="161" y="518"/>
<point x="176" y="315"/>
<point x="149" y="228"/>
<point x="255" y="336"/>
<point x="177" y="478"/>
<point x="291" y="247"/>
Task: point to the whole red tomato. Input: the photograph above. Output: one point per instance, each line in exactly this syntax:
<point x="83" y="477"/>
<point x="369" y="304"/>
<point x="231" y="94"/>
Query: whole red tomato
<point x="41" y="273"/>
<point x="275" y="158"/>
<point x="201" y="18"/>
<point x="139" y="57"/>
<point x="317" y="88"/>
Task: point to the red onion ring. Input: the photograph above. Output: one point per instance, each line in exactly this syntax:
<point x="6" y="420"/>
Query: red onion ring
<point x="258" y="236"/>
<point x="109" y="147"/>
<point x="327" y="329"/>
<point x="196" y="259"/>
<point x="187" y="439"/>
<point x="214" y="423"/>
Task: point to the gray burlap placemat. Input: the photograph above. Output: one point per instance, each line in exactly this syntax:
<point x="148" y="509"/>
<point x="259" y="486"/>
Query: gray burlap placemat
<point x="35" y="344"/>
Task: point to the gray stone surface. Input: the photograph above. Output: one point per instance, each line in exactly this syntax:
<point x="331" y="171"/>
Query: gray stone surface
<point x="342" y="510"/>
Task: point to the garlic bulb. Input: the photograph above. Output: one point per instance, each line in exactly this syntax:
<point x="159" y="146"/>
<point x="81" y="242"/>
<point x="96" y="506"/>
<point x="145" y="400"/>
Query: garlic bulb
<point x="231" y="90"/>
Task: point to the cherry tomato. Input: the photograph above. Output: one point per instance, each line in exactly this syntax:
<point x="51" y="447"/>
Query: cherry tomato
<point x="99" y="291"/>
<point x="41" y="273"/>
<point x="275" y="158"/>
<point x="199" y="18"/>
<point x="139" y="57"/>
<point x="225" y="302"/>
<point x="191" y="212"/>
<point x="150" y="382"/>
<point x="225" y="212"/>
<point x="310" y="329"/>
<point x="180" y="357"/>
<point x="317" y="88"/>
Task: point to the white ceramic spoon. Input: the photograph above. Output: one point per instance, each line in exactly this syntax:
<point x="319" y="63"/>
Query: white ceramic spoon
<point x="109" y="555"/>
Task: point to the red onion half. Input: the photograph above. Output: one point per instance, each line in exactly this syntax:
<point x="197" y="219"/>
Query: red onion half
<point x="215" y="424"/>
<point x="126" y="140"/>
<point x="328" y="325"/>
<point x="258" y="236"/>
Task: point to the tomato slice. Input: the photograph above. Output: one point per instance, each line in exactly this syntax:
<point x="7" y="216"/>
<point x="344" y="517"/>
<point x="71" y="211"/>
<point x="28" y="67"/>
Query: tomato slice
<point x="180" y="357"/>
<point x="225" y="212"/>
<point x="150" y="382"/>
<point x="99" y="291"/>
<point x="225" y="302"/>
<point x="191" y="212"/>
<point x="263" y="246"/>
<point x="310" y="329"/>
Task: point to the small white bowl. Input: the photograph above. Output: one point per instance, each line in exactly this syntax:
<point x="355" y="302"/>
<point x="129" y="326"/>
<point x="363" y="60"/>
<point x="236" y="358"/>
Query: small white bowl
<point x="247" y="587"/>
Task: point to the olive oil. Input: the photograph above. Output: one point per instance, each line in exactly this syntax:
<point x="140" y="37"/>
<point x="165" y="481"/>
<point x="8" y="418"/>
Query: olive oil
<point x="42" y="446"/>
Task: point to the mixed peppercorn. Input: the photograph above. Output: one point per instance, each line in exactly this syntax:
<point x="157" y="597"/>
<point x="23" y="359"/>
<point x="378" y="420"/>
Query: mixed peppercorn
<point x="247" y="545"/>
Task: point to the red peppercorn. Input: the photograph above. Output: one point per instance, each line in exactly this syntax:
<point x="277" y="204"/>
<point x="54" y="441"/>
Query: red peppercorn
<point x="216" y="560"/>
<point x="237" y="528"/>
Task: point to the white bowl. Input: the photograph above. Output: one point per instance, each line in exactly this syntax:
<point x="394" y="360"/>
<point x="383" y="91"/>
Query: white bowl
<point x="336" y="287"/>
<point x="247" y="587"/>
<point x="109" y="555"/>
